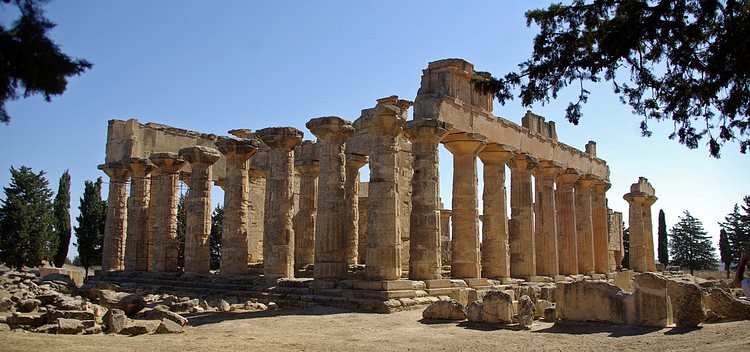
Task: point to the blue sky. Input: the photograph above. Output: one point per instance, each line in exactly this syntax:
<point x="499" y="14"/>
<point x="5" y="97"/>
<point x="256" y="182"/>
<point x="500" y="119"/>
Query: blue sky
<point x="216" y="66"/>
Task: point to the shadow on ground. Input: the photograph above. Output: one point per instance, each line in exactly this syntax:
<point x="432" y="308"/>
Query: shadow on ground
<point x="204" y="318"/>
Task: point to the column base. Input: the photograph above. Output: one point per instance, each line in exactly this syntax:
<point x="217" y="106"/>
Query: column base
<point x="330" y="271"/>
<point x="465" y="270"/>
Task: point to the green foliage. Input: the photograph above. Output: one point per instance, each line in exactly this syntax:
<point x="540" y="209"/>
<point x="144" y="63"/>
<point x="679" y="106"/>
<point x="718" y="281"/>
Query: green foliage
<point x="31" y="62"/>
<point x="217" y="220"/>
<point x="181" y="229"/>
<point x="682" y="60"/>
<point x="626" y="245"/>
<point x="61" y="208"/>
<point x="663" y="248"/>
<point x="737" y="228"/>
<point x="91" y="222"/>
<point x="725" y="251"/>
<point x="26" y="233"/>
<point x="691" y="245"/>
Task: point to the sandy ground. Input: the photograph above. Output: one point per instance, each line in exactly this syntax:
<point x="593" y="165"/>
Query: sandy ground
<point x="328" y="329"/>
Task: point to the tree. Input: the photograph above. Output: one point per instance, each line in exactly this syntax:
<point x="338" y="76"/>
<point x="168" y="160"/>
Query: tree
<point x="725" y="251"/>
<point x="61" y="208"/>
<point x="737" y="228"/>
<point x="181" y="229"/>
<point x="691" y="245"/>
<point x="683" y="60"/>
<point x="217" y="220"/>
<point x="26" y="234"/>
<point x="31" y="62"/>
<point x="626" y="247"/>
<point x="663" y="247"/>
<point x="91" y="222"/>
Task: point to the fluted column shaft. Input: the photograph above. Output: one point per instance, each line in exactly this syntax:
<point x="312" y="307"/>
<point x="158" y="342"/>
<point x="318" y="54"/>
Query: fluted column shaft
<point x="113" y="244"/>
<point x="600" y="226"/>
<point x="137" y="243"/>
<point x="330" y="240"/>
<point x="256" y="213"/>
<point x="648" y="229"/>
<point x="306" y="218"/>
<point x="566" y="222"/>
<point x="545" y="236"/>
<point x="278" y="233"/>
<point x="445" y="236"/>
<point x="234" y="237"/>
<point x="424" y="246"/>
<point x="584" y="225"/>
<point x="166" y="244"/>
<point x="521" y="224"/>
<point x="637" y="254"/>
<point x="351" y="224"/>
<point x="495" y="244"/>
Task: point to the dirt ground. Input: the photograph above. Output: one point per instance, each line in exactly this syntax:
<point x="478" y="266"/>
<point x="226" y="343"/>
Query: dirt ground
<point x="328" y="329"/>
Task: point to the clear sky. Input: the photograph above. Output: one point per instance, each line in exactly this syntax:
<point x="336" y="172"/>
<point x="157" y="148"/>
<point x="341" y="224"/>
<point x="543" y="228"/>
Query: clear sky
<point x="216" y="66"/>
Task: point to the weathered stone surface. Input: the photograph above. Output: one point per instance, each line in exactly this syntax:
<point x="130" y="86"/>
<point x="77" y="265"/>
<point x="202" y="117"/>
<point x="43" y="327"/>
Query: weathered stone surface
<point x="497" y="307"/>
<point x="687" y="303"/>
<point x="541" y="306"/>
<point x="550" y="314"/>
<point x="6" y="304"/>
<point x="69" y="326"/>
<point x="591" y="301"/>
<point x="726" y="306"/>
<point x="651" y="306"/>
<point x="445" y="310"/>
<point x="131" y="304"/>
<point x="113" y="244"/>
<point x="115" y="320"/>
<point x="224" y="306"/>
<point x="169" y="327"/>
<point x="28" y="305"/>
<point x="26" y="319"/>
<point x="140" y="327"/>
<point x="474" y="311"/>
<point x="640" y="199"/>
<point x="526" y="312"/>
<point x="53" y="315"/>
<point x="4" y="327"/>
<point x="159" y="314"/>
<point x="521" y="224"/>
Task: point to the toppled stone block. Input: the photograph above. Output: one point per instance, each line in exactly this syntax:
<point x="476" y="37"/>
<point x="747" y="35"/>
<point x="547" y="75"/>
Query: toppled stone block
<point x="526" y="315"/>
<point x="115" y="320"/>
<point x="497" y="307"/>
<point x="687" y="303"/>
<point x="28" y="305"/>
<point x="725" y="305"/>
<point x="651" y="306"/>
<point x="159" y="314"/>
<point x="46" y="329"/>
<point x="550" y="314"/>
<point x="445" y="310"/>
<point x="131" y="304"/>
<point x="69" y="326"/>
<point x="53" y="315"/>
<point x="224" y="306"/>
<point x="169" y="327"/>
<point x="26" y="319"/>
<point x="140" y="327"/>
<point x="591" y="301"/>
<point x="541" y="305"/>
<point x="6" y="304"/>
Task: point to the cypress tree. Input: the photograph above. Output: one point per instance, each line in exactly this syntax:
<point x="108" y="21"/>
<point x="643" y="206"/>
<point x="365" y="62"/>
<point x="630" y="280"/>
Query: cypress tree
<point x="90" y="230"/>
<point x="663" y="248"/>
<point x="725" y="250"/>
<point x="62" y="228"/>
<point x="217" y="220"/>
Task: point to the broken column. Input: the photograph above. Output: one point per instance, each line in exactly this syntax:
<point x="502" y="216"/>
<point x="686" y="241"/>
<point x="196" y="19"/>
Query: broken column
<point x="521" y="224"/>
<point x="495" y="244"/>
<point x="566" y="222"/>
<point x="600" y="226"/>
<point x="113" y="244"/>
<point x="137" y="256"/>
<point x="466" y="254"/>
<point x="234" y="236"/>
<point x="330" y="239"/>
<point x="383" y="257"/>
<point x="545" y="236"/>
<point x="424" y="246"/>
<point x="307" y="164"/>
<point x="351" y="224"/>
<point x="640" y="198"/>
<point x="166" y="245"/>
<point x="584" y="225"/>
<point x="278" y="234"/>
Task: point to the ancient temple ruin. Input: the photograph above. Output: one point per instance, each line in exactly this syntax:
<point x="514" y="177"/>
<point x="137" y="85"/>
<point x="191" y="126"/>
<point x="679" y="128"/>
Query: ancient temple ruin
<point x="296" y="208"/>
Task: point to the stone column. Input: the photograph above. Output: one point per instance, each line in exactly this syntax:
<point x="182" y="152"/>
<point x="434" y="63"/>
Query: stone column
<point x="545" y="236"/>
<point x="198" y="206"/>
<point x="648" y="229"/>
<point x="600" y="226"/>
<point x="166" y="245"/>
<point x="383" y="257"/>
<point x="521" y="224"/>
<point x="113" y="244"/>
<point x="307" y="164"/>
<point x="466" y="252"/>
<point x="567" y="244"/>
<point x="424" y="238"/>
<point x="330" y="240"/>
<point x="256" y="213"/>
<point x="584" y="225"/>
<point x="637" y="255"/>
<point x="351" y="224"/>
<point x="495" y="244"/>
<point x="278" y="232"/>
<point x="234" y="236"/>
<point x="151" y="222"/>
<point x="137" y="243"/>
<point x="445" y="236"/>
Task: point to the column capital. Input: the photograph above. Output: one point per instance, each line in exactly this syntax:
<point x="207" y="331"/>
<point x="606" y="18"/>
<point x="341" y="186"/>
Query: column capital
<point x="140" y="166"/>
<point x="115" y="170"/>
<point x="388" y="116"/>
<point x="496" y="153"/>
<point x="549" y="169"/>
<point x="601" y="186"/>
<point x="464" y="142"/>
<point x="330" y="128"/>
<point x="167" y="162"/>
<point x="199" y="155"/>
<point x="585" y="181"/>
<point x="280" y="137"/>
<point x="241" y="147"/>
<point x="523" y="161"/>
<point x="356" y="160"/>
<point x="427" y="130"/>
<point x="650" y="200"/>
<point x="635" y="197"/>
<point x="568" y="176"/>
<point x="308" y="169"/>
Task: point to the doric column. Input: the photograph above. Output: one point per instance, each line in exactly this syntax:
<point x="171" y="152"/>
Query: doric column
<point x="521" y="224"/>
<point x="166" y="244"/>
<point x="113" y="244"/>
<point x="137" y="243"/>
<point x="584" y="225"/>
<point x="637" y="254"/>
<point x="330" y="239"/>
<point x="424" y="246"/>
<point x="545" y="236"/>
<point x="495" y="245"/>
<point x="198" y="206"/>
<point x="567" y="244"/>
<point x="383" y="257"/>
<point x="151" y="222"/>
<point x="234" y="236"/>
<point x="466" y="252"/>
<point x="278" y="232"/>
<point x="256" y="213"/>
<point x="307" y="164"/>
<point x="351" y="223"/>
<point x="648" y="229"/>
<point x="600" y="226"/>
<point x="445" y="236"/>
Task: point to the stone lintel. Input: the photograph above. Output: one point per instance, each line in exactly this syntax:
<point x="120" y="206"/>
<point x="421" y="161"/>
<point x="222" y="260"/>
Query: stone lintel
<point x="280" y="137"/>
<point x="383" y="285"/>
<point x="200" y="155"/>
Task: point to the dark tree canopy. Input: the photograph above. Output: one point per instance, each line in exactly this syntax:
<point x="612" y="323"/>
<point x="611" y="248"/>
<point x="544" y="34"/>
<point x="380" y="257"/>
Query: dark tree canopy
<point x="30" y="62"/>
<point x="61" y="209"/>
<point x="626" y="247"/>
<point x="214" y="240"/>
<point x="26" y="234"/>
<point x="691" y="245"/>
<point x="181" y="229"/>
<point x="736" y="225"/>
<point x="725" y="251"/>
<point x="91" y="222"/>
<point x="683" y="61"/>
<point x="663" y="248"/>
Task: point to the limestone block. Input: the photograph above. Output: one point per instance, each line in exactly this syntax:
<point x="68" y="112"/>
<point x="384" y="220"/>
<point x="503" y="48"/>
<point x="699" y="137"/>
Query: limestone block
<point x="591" y="301"/>
<point x="6" y="304"/>
<point x="27" y="305"/>
<point x="497" y="307"/>
<point x="550" y="314"/>
<point x="115" y="320"/>
<point x="161" y="314"/>
<point x="140" y="327"/>
<point x="651" y="306"/>
<point x="69" y="326"/>
<point x="169" y="327"/>
<point x="726" y="306"/>
<point x="445" y="310"/>
<point x="624" y="280"/>
<point x="541" y="306"/>
<point x="687" y="303"/>
<point x="526" y="314"/>
<point x="474" y="311"/>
